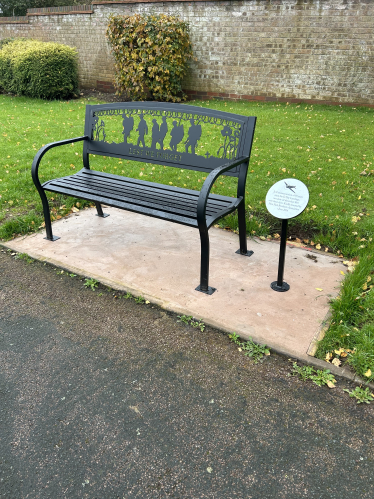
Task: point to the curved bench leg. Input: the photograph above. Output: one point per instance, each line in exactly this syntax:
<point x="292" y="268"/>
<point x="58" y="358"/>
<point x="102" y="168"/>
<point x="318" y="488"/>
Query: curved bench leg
<point x="242" y="232"/>
<point x="204" y="265"/>
<point x="100" y="212"/>
<point x="47" y="218"/>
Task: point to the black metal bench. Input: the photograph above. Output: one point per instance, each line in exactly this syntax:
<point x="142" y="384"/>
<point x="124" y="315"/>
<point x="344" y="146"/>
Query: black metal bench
<point x="175" y="135"/>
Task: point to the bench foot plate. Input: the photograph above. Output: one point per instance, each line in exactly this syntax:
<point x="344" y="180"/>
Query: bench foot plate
<point x="104" y="215"/>
<point x="54" y="238"/>
<point x="249" y="253"/>
<point x="210" y="290"/>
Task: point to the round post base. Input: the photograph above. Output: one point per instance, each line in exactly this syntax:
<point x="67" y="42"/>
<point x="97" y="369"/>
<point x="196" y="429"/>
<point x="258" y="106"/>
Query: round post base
<point x="285" y="287"/>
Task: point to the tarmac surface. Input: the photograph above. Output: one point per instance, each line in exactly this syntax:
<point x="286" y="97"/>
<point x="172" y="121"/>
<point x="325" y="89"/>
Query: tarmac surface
<point x="103" y="397"/>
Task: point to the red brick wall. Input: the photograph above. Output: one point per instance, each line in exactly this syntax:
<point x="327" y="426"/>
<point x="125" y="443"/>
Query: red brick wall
<point x="318" y="50"/>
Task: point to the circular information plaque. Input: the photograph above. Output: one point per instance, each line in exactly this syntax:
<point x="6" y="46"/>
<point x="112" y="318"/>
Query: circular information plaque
<point x="287" y="198"/>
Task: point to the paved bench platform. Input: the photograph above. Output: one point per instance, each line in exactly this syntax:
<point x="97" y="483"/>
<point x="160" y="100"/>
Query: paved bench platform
<point x="163" y="270"/>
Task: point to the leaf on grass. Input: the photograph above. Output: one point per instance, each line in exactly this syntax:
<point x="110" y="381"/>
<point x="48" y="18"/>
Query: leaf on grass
<point x="74" y="209"/>
<point x="368" y="373"/>
<point x="336" y="362"/>
<point x="318" y="246"/>
<point x="328" y="356"/>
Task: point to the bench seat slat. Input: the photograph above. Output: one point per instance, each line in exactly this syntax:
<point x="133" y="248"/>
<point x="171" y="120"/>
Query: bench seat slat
<point x="115" y="197"/>
<point x="138" y="197"/>
<point x="149" y="198"/>
<point x="143" y="183"/>
<point x="150" y="192"/>
<point x="153" y="189"/>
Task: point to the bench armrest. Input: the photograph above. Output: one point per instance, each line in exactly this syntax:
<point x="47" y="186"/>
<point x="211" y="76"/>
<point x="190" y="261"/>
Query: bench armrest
<point x="208" y="184"/>
<point x="38" y="157"/>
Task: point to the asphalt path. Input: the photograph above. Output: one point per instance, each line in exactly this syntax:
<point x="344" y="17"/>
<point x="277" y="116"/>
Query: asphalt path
<point x="105" y="398"/>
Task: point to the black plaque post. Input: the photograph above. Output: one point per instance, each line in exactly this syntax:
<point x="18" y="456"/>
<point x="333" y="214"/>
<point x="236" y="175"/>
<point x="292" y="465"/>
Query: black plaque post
<point x="285" y="199"/>
<point x="279" y="284"/>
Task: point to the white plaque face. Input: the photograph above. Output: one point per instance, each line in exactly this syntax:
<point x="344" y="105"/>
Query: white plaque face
<point x="287" y="198"/>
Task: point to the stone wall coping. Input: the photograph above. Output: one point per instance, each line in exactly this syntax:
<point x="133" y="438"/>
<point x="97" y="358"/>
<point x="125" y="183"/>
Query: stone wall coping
<point x="14" y="20"/>
<point x="106" y="2"/>
<point x="53" y="11"/>
<point x="64" y="13"/>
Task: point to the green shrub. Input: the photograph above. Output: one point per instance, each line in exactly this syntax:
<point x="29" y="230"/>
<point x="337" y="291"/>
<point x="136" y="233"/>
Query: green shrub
<point x="39" y="69"/>
<point x="5" y="41"/>
<point x="151" y="53"/>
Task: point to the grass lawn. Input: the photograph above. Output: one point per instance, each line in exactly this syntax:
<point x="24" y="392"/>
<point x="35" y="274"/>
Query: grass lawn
<point x="329" y="148"/>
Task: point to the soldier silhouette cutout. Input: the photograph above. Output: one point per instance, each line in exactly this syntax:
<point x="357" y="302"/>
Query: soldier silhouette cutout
<point x="194" y="134"/>
<point x="177" y="133"/>
<point x="163" y="132"/>
<point x="155" y="134"/>
<point x="128" y="125"/>
<point x="142" y="129"/>
<point x="159" y="132"/>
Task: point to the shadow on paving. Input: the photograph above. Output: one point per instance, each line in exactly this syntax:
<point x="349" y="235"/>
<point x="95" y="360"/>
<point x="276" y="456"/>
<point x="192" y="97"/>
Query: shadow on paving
<point x="105" y="398"/>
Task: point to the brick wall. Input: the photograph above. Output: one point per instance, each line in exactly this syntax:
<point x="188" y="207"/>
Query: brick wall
<point x="318" y="50"/>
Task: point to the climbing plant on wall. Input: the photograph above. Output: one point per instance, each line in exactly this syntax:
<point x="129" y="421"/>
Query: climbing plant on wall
<point x="151" y="52"/>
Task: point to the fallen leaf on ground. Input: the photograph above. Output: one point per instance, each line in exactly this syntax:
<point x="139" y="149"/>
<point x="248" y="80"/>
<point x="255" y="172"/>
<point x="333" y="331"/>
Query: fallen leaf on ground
<point x="330" y="384"/>
<point x="319" y="289"/>
<point x="336" y="362"/>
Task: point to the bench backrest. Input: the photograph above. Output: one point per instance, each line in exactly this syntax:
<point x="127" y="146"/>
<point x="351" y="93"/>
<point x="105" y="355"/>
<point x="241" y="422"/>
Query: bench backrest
<point x="177" y="135"/>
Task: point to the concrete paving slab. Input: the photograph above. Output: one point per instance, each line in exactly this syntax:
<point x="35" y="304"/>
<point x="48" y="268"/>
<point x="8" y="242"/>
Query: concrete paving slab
<point x="161" y="261"/>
